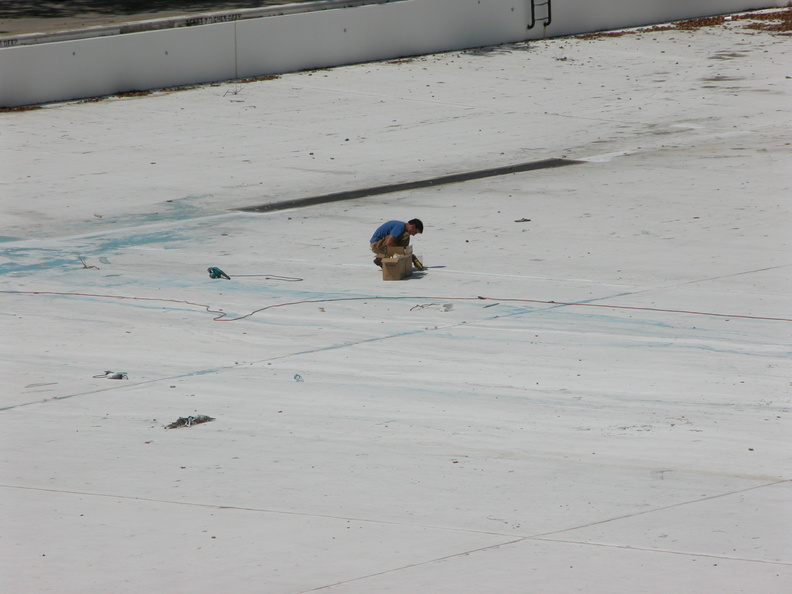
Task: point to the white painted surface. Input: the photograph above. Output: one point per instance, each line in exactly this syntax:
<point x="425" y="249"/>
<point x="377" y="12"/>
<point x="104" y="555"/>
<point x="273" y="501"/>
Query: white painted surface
<point x="379" y="31"/>
<point x="224" y="51"/>
<point x="577" y="16"/>
<point x="106" y="65"/>
<point x="615" y="416"/>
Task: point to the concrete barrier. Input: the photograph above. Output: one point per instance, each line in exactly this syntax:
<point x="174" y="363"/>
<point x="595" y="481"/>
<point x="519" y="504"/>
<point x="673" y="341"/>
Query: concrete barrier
<point x="175" y="52"/>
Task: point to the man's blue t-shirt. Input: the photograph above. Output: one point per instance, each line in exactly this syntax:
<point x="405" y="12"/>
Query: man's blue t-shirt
<point x="394" y="228"/>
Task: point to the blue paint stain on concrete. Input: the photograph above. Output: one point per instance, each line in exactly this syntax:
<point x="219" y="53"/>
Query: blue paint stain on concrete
<point x="180" y="209"/>
<point x="121" y="241"/>
<point x="29" y="260"/>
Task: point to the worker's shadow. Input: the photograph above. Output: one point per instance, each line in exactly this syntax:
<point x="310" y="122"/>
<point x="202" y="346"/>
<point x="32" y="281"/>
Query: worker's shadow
<point x="419" y="274"/>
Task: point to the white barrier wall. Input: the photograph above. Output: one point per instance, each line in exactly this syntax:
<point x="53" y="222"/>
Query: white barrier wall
<point x="571" y="17"/>
<point x="375" y="32"/>
<point x="96" y="66"/>
<point x="108" y="65"/>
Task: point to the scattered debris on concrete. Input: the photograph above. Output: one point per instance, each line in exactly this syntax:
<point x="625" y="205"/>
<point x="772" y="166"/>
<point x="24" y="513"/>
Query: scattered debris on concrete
<point x="189" y="421"/>
<point x="117" y="375"/>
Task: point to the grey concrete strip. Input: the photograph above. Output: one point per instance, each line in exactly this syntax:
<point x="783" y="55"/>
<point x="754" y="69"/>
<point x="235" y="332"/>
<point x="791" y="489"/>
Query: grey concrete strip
<point x="414" y="185"/>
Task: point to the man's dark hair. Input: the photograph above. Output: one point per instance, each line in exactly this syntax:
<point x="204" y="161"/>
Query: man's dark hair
<point x="418" y="224"/>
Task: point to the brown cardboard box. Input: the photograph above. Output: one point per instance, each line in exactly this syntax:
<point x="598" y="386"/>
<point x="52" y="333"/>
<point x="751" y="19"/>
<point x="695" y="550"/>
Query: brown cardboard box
<point x="392" y="251"/>
<point x="398" y="263"/>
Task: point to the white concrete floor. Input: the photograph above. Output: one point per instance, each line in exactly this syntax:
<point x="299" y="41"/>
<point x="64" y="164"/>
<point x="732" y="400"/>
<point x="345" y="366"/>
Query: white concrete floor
<point x="589" y="390"/>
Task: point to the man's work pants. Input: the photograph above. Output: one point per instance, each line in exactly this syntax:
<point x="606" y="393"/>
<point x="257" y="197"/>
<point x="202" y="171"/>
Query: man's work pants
<point x="381" y="249"/>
